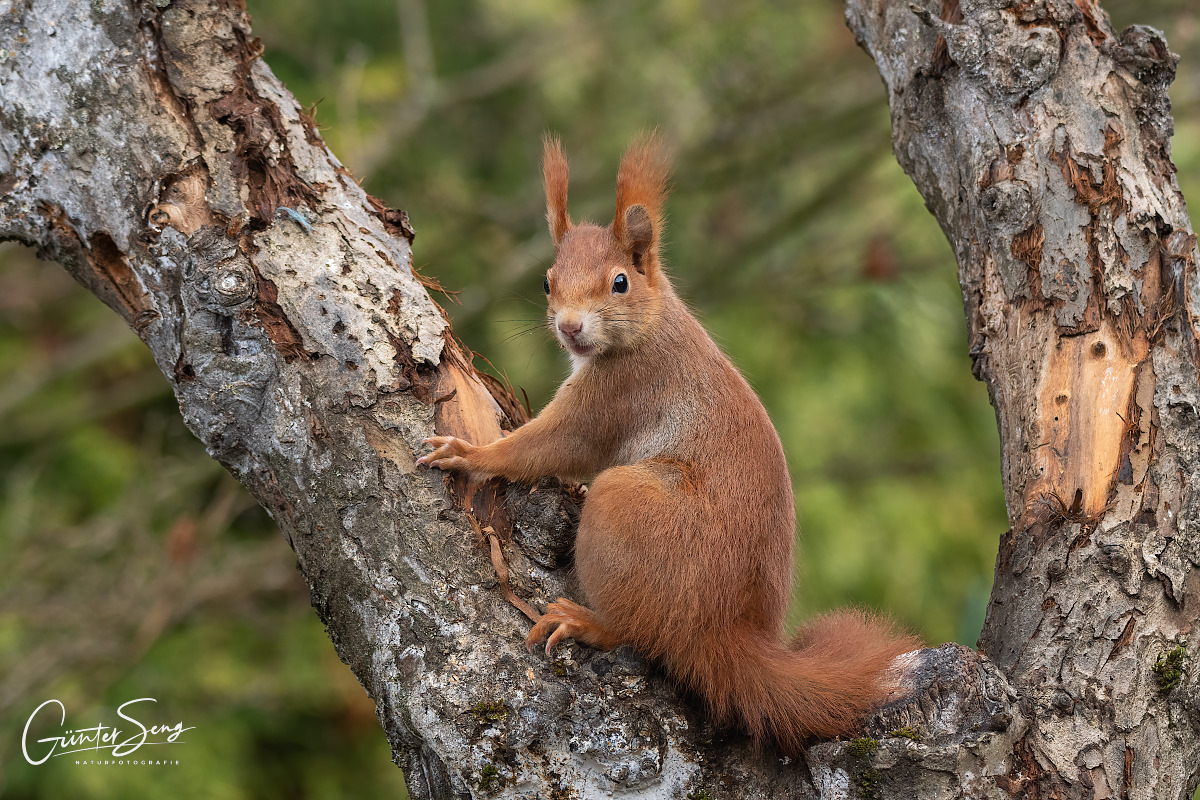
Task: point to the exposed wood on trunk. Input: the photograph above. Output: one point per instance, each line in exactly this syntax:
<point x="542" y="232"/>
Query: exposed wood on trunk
<point x="1043" y="151"/>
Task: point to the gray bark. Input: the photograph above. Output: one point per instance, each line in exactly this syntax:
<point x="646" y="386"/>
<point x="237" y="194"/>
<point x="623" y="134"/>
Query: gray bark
<point x="148" y="149"/>
<point x="1040" y="141"/>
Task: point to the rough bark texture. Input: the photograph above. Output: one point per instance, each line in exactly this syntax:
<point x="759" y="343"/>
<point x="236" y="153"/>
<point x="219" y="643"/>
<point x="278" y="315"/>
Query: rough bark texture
<point x="147" y="148"/>
<point x="1040" y="140"/>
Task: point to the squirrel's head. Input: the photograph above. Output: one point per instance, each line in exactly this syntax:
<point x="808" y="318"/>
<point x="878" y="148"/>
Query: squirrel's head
<point x="606" y="285"/>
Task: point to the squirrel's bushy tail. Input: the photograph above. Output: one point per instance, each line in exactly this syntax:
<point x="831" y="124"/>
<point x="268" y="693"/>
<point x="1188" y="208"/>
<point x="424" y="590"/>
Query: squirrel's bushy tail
<point x="836" y="670"/>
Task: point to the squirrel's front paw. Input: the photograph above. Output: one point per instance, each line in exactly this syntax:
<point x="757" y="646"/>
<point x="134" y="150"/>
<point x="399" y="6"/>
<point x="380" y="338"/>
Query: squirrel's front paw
<point x="449" y="452"/>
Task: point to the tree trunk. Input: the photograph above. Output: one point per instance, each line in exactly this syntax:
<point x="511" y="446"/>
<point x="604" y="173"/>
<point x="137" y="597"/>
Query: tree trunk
<point x="1041" y="142"/>
<point x="147" y="148"/>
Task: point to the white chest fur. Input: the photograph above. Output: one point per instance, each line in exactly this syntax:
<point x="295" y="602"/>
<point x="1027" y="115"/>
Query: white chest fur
<point x="660" y="434"/>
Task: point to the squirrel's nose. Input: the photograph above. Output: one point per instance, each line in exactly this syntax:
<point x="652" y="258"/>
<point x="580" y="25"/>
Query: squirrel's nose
<point x="570" y="327"/>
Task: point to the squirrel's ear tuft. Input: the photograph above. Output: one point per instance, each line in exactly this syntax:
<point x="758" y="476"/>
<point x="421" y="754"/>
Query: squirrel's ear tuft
<point x="554" y="176"/>
<point x="641" y="190"/>
<point x="638" y="235"/>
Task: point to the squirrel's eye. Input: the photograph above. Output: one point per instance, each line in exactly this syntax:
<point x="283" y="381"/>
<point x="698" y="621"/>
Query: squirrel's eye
<point x="620" y="284"/>
<point x="546" y="286"/>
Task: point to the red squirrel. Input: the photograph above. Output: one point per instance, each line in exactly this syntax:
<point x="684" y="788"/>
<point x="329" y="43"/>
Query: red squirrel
<point x="684" y="550"/>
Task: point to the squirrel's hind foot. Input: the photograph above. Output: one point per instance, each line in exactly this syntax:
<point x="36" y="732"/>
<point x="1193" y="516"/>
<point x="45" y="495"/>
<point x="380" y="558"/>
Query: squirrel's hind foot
<point x="567" y="619"/>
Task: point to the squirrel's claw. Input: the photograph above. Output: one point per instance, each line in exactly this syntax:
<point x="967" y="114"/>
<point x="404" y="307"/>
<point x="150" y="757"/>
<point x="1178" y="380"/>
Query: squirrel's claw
<point x="564" y="619"/>
<point x="540" y="631"/>
<point x="560" y="633"/>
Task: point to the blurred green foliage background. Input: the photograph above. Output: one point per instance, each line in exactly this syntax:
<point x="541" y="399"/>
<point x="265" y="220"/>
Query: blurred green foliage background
<point x="133" y="566"/>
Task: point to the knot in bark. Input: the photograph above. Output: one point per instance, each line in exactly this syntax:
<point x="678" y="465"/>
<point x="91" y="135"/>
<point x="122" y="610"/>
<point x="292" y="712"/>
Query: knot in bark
<point x="1022" y="60"/>
<point x="1007" y="205"/>
<point x="233" y="283"/>
<point x="1144" y="52"/>
<point x="1062" y="702"/>
<point x="181" y="204"/>
<point x="219" y="274"/>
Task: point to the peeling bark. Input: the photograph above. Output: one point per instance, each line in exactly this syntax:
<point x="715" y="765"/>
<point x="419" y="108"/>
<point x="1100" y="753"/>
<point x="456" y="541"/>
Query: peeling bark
<point x="1040" y="140"/>
<point x="147" y="148"/>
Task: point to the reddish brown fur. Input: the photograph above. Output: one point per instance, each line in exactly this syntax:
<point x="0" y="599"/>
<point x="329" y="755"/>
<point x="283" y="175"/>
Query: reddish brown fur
<point x="684" y="548"/>
<point x="554" y="178"/>
<point x="642" y="180"/>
